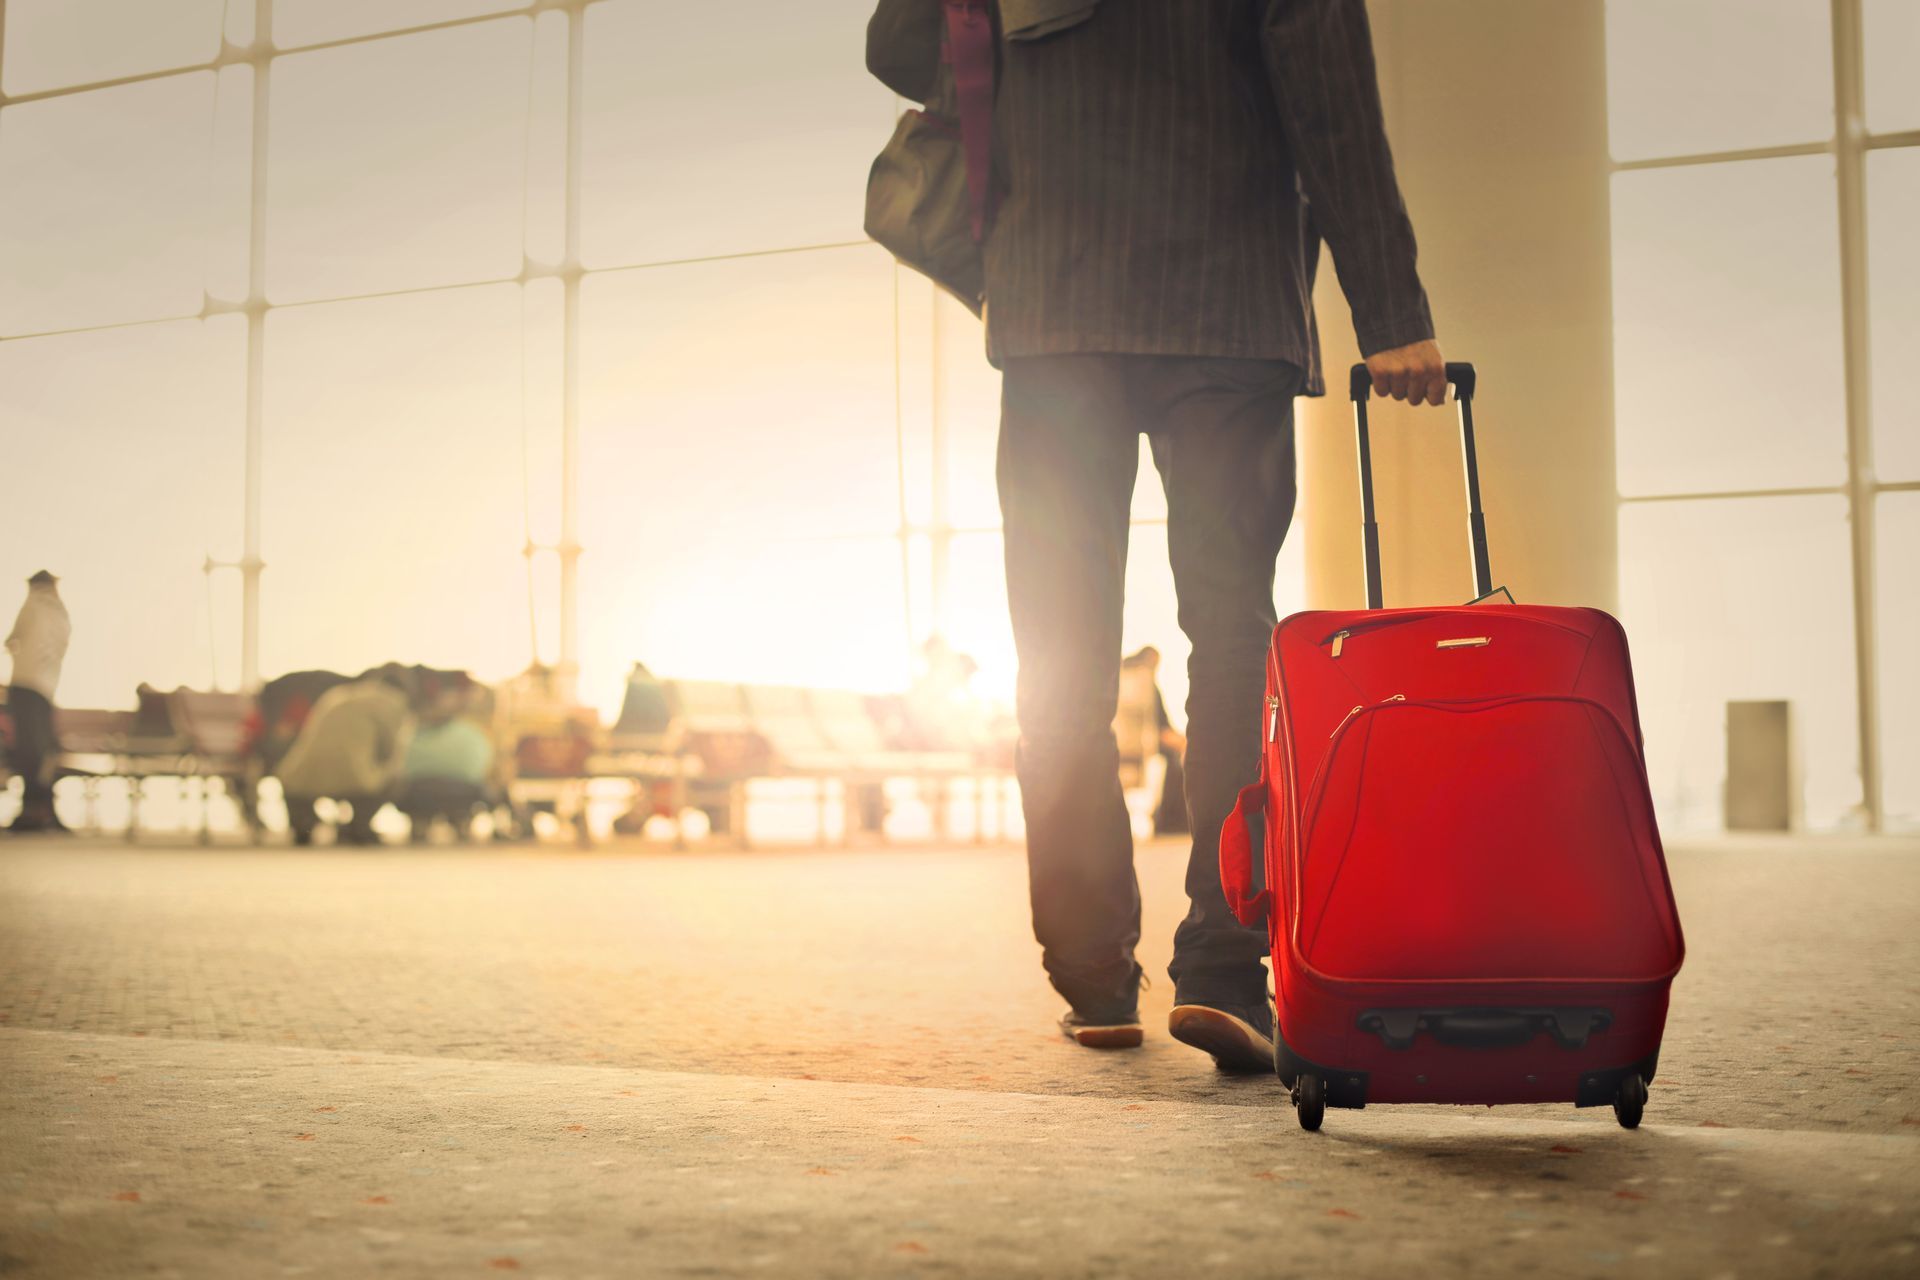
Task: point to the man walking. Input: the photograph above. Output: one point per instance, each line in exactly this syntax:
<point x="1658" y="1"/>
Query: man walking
<point x="1166" y="172"/>
<point x="38" y="646"/>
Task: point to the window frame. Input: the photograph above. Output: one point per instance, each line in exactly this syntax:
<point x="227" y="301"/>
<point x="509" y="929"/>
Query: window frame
<point x="1848" y="144"/>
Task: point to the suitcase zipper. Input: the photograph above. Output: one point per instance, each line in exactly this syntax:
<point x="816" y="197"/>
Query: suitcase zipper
<point x="1273" y="717"/>
<point x="1338" y="639"/>
<point x="1398" y="697"/>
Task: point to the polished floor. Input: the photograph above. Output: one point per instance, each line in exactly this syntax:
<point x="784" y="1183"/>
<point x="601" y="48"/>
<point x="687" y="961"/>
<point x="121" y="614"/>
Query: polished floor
<point x="447" y="1062"/>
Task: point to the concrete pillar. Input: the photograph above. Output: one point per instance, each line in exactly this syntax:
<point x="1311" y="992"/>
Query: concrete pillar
<point x="1497" y="114"/>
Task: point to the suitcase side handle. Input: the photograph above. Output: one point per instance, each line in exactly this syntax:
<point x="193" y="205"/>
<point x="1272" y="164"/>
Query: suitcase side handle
<point x="1236" y="856"/>
<point x="1465" y="383"/>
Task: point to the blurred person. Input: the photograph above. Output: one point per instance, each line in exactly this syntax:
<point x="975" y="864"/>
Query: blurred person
<point x="1144" y="730"/>
<point x="279" y="710"/>
<point x="544" y="736"/>
<point x="939" y="706"/>
<point x="449" y="767"/>
<point x="1162" y="185"/>
<point x="38" y="647"/>
<point x="350" y="750"/>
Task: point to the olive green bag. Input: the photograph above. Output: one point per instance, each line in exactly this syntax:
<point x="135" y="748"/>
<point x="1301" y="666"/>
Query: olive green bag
<point x="927" y="193"/>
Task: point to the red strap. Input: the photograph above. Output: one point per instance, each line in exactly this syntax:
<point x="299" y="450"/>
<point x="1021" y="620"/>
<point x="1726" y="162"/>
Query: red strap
<point x="970" y="50"/>
<point x="1236" y="856"/>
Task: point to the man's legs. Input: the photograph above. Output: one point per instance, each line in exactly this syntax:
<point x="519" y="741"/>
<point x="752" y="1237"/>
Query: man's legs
<point x="36" y="751"/>
<point x="1170" y="814"/>
<point x="1223" y="443"/>
<point x="301" y="819"/>
<point x="420" y="807"/>
<point x="358" y="828"/>
<point x="1068" y="455"/>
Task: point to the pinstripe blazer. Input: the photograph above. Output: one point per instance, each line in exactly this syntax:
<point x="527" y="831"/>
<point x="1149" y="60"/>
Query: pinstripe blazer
<point x="1166" y="171"/>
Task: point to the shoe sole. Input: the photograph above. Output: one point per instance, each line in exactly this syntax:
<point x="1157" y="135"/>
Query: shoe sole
<point x="1235" y="1044"/>
<point x="1119" y="1037"/>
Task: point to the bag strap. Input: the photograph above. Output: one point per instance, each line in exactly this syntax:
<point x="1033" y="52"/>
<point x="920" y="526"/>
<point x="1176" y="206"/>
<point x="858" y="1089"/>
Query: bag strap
<point x="970" y="53"/>
<point x="1236" y="855"/>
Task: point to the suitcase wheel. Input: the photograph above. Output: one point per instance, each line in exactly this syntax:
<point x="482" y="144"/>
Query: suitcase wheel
<point x="1310" y="1100"/>
<point x="1630" y="1102"/>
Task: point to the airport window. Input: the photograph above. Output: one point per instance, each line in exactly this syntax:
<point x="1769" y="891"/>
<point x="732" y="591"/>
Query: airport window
<point x="520" y="188"/>
<point x="764" y="149"/>
<point x="297" y="23"/>
<point x="54" y="43"/>
<point x="1893" y="254"/>
<point x="1892" y="33"/>
<point x="416" y="526"/>
<point x="1898" y="539"/>
<point x="398" y="163"/>
<point x="1765" y="458"/>
<point x="76" y="255"/>
<point x="1718" y="574"/>
<point x="156" y="412"/>
<point x="720" y="401"/>
<point x="1693" y="321"/>
<point x="1699" y="76"/>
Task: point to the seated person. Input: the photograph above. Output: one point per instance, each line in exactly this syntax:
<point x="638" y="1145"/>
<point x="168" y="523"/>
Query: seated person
<point x="349" y="750"/>
<point x="449" y="764"/>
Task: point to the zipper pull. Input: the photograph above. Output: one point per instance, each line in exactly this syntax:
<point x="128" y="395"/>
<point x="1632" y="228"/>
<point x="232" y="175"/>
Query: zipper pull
<point x="1273" y="717"/>
<point x="1339" y="642"/>
<point x="1343" y="719"/>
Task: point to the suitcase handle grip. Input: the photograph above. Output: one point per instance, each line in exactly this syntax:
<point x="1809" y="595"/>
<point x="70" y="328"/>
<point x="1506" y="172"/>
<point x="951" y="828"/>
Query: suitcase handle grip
<point x="1236" y="856"/>
<point x="1465" y="383"/>
<point x="1460" y="376"/>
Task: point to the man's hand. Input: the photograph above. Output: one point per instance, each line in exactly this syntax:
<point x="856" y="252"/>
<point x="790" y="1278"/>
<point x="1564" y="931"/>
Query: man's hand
<point x="1415" y="373"/>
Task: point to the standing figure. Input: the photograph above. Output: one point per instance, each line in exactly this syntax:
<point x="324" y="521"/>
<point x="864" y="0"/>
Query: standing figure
<point x="38" y="646"/>
<point x="1164" y="175"/>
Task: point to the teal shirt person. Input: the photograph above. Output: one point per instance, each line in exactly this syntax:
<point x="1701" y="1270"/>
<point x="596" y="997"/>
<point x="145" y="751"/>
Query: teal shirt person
<point x="458" y="750"/>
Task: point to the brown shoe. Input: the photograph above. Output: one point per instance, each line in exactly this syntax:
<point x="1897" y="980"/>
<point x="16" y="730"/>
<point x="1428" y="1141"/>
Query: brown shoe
<point x="1236" y="1043"/>
<point x="1101" y="1033"/>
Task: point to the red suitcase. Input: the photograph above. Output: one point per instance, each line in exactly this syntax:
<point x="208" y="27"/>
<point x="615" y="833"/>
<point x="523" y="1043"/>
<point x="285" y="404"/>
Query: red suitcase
<point x="1464" y="885"/>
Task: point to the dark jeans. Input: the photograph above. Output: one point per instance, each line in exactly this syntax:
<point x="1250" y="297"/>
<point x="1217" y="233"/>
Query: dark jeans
<point x="35" y="751"/>
<point x="357" y="829"/>
<point x="1222" y="437"/>
<point x="425" y="799"/>
<point x="1170" y="814"/>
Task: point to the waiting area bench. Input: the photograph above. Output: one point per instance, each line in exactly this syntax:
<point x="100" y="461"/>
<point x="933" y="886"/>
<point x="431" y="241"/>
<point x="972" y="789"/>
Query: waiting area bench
<point x="677" y="746"/>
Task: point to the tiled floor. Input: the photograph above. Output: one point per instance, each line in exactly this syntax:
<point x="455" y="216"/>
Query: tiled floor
<point x="838" y="1063"/>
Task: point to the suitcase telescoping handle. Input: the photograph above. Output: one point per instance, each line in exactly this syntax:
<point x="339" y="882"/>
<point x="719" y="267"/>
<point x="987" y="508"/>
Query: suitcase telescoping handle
<point x="1361" y="388"/>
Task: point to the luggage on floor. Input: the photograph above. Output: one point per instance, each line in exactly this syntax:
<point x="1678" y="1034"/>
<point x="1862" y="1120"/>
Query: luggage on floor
<point x="1464" y="884"/>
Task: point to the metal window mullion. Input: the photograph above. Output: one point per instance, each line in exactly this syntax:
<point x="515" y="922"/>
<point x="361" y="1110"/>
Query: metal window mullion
<point x="522" y="277"/>
<point x="227" y="58"/>
<point x="1870" y="141"/>
<point x="251" y="563"/>
<point x="1798" y="491"/>
<point x="1724" y="157"/>
<point x="1849" y="97"/>
<point x="262" y="47"/>
<point x="570" y="276"/>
